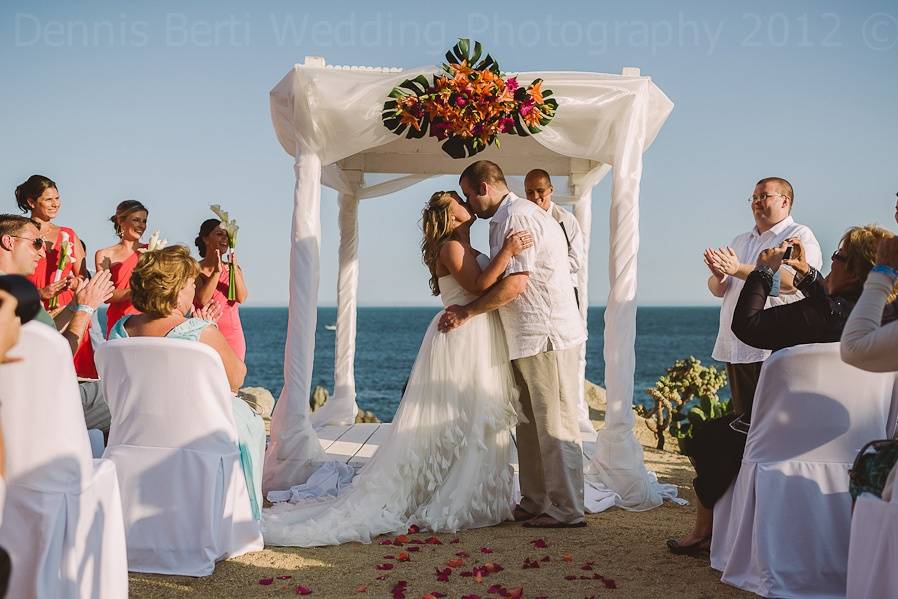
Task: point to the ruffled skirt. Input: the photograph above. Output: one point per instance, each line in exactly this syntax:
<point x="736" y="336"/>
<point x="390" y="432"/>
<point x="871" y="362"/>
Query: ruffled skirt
<point x="446" y="464"/>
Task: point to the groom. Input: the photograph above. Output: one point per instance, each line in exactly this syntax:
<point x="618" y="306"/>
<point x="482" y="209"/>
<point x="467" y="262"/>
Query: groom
<point x="544" y="331"/>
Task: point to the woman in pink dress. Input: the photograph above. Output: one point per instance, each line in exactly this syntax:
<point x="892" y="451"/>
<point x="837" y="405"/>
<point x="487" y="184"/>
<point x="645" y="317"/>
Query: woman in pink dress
<point x="40" y="196"/>
<point x="212" y="282"/>
<point x="130" y="222"/>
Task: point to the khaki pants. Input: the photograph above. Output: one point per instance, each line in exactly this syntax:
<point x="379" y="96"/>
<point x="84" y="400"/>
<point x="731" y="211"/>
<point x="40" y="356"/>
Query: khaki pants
<point x="549" y="451"/>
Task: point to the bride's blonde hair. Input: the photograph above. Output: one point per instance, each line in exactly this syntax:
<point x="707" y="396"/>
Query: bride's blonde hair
<point x="435" y="223"/>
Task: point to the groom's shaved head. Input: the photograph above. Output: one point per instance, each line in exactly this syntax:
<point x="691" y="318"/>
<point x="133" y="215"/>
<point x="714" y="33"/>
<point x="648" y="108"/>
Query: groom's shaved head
<point x="483" y="171"/>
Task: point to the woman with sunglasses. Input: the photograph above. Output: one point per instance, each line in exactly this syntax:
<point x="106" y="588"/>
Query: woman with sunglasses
<point x="39" y="196"/>
<point x="130" y="222"/>
<point x="212" y="282"/>
<point x="717" y="446"/>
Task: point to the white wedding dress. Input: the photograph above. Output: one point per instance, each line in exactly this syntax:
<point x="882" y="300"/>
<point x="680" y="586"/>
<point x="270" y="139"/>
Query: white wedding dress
<point x="446" y="464"/>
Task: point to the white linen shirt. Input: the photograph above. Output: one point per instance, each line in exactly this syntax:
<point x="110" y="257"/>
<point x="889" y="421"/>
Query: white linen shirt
<point x="747" y="246"/>
<point x="545" y="316"/>
<point x="574" y="235"/>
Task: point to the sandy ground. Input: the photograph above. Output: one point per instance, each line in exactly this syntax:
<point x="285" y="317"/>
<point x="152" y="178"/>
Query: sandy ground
<point x="619" y="549"/>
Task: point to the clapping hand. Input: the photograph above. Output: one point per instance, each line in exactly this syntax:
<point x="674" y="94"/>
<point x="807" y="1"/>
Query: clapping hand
<point x="722" y="261"/>
<point x="211" y="311"/>
<point x="95" y="291"/>
<point x="9" y="326"/>
<point x="887" y="252"/>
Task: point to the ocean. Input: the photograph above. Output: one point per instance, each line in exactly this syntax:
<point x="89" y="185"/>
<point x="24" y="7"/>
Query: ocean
<point x="388" y="340"/>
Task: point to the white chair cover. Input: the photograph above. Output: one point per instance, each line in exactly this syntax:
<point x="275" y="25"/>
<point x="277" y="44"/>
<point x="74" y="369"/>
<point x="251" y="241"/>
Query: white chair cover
<point x="174" y="440"/>
<point x="873" y="551"/>
<point x="62" y="522"/>
<point x="782" y="529"/>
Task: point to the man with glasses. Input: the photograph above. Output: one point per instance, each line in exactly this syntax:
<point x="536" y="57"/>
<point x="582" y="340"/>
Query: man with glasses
<point x="21" y="248"/>
<point x="771" y="205"/>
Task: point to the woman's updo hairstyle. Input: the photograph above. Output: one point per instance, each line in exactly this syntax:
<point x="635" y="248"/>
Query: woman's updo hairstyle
<point x="123" y="210"/>
<point x="207" y="227"/>
<point x="159" y="277"/>
<point x="32" y="190"/>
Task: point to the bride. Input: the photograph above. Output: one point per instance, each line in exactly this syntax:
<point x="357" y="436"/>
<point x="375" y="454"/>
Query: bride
<point x="446" y="464"/>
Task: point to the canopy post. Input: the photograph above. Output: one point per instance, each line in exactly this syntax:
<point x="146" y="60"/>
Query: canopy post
<point x="294" y="451"/>
<point x="341" y="409"/>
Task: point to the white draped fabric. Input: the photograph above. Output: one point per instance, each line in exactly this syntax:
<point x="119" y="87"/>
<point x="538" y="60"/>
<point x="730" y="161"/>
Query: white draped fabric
<point x="782" y="530"/>
<point x="873" y="550"/>
<point x="331" y="117"/>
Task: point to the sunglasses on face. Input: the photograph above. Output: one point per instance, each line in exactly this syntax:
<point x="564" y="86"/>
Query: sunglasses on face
<point x="837" y="257"/>
<point x="36" y="242"/>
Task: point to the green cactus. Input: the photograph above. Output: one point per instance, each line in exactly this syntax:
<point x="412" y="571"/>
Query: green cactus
<point x="685" y="380"/>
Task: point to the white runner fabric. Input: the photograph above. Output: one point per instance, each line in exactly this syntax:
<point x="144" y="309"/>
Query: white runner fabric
<point x="783" y="528"/>
<point x="324" y="115"/>
<point x="62" y="521"/>
<point x="174" y="440"/>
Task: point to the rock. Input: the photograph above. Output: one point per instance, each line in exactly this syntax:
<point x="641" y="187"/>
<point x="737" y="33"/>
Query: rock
<point x="366" y="416"/>
<point x="318" y="398"/>
<point x="595" y="399"/>
<point x="259" y="399"/>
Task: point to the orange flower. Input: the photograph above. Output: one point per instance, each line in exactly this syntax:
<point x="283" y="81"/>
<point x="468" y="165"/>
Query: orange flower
<point x="536" y="92"/>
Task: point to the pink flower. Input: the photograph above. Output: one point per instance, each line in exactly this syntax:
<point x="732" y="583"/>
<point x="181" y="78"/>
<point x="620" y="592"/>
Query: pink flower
<point x="506" y="125"/>
<point x="526" y="107"/>
<point x="460" y="101"/>
<point x="511" y="83"/>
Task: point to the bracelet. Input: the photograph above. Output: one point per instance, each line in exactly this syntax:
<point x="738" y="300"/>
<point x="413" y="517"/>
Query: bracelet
<point x="887" y="270"/>
<point x="85" y="308"/>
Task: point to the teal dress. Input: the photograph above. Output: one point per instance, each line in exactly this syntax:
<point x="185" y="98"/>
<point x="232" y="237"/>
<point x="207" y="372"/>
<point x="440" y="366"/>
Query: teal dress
<point x="250" y="428"/>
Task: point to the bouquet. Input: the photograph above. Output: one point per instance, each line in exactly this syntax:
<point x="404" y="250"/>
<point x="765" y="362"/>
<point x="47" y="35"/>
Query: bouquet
<point x="468" y="104"/>
<point x="65" y="256"/>
<point x="155" y="243"/>
<point x="230" y="226"/>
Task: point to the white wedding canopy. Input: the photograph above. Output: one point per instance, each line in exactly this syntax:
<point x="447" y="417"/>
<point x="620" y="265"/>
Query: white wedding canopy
<point x="329" y="119"/>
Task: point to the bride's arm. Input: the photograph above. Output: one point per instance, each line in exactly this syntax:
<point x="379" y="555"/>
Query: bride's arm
<point x="463" y="266"/>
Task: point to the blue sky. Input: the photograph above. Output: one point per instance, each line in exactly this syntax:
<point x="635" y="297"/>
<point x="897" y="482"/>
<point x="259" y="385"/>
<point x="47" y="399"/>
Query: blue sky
<point x="167" y="103"/>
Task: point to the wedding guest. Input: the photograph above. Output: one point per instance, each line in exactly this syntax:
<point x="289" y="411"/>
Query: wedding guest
<point x="130" y="222"/>
<point x="771" y="205"/>
<point x="162" y="289"/>
<point x="867" y="343"/>
<point x="716" y="446"/>
<point x="39" y="196"/>
<point x="212" y="282"/>
<point x="9" y="327"/>
<point x="21" y="249"/>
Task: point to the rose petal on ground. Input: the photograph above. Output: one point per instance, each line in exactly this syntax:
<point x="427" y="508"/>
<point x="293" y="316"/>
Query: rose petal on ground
<point x="539" y="543"/>
<point x="485" y="550"/>
<point x="455" y="563"/>
<point x="389" y="557"/>
<point x="285" y="577"/>
<point x="516" y="593"/>
<point x="414" y="549"/>
<point x="496" y="588"/>
<point x="433" y="541"/>
<point x="586" y="567"/>
<point x="568" y="557"/>
<point x="266" y="581"/>
<point x="385" y="542"/>
<point x="384" y="566"/>
<point x="381" y="578"/>
<point x="609" y="583"/>
<point x="404" y="557"/>
<point x="470" y="597"/>
<point x="570" y="577"/>
<point x="301" y="590"/>
<point x="362" y="589"/>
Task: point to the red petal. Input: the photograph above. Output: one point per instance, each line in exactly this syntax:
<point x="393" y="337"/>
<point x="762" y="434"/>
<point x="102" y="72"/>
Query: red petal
<point x="362" y="589"/>
<point x="266" y="581"/>
<point x="570" y="577"/>
<point x="485" y="550"/>
<point x="286" y="577"/>
<point x="301" y="590"/>
<point x="384" y="566"/>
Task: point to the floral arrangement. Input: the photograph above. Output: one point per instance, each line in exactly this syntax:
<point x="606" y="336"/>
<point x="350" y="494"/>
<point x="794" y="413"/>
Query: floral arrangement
<point x="155" y="243"/>
<point x="65" y="256"/>
<point x="230" y="226"/>
<point x="468" y="104"/>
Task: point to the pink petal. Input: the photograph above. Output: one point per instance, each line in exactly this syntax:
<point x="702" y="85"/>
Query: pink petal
<point x="287" y="577"/>
<point x="384" y="566"/>
<point x="266" y="581"/>
<point x="540" y="543"/>
<point x="301" y="590"/>
<point x="485" y="550"/>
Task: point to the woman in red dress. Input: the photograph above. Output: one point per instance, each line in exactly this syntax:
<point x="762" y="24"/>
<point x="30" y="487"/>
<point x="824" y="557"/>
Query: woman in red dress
<point x="212" y="283"/>
<point x="40" y="196"/>
<point x="130" y="222"/>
